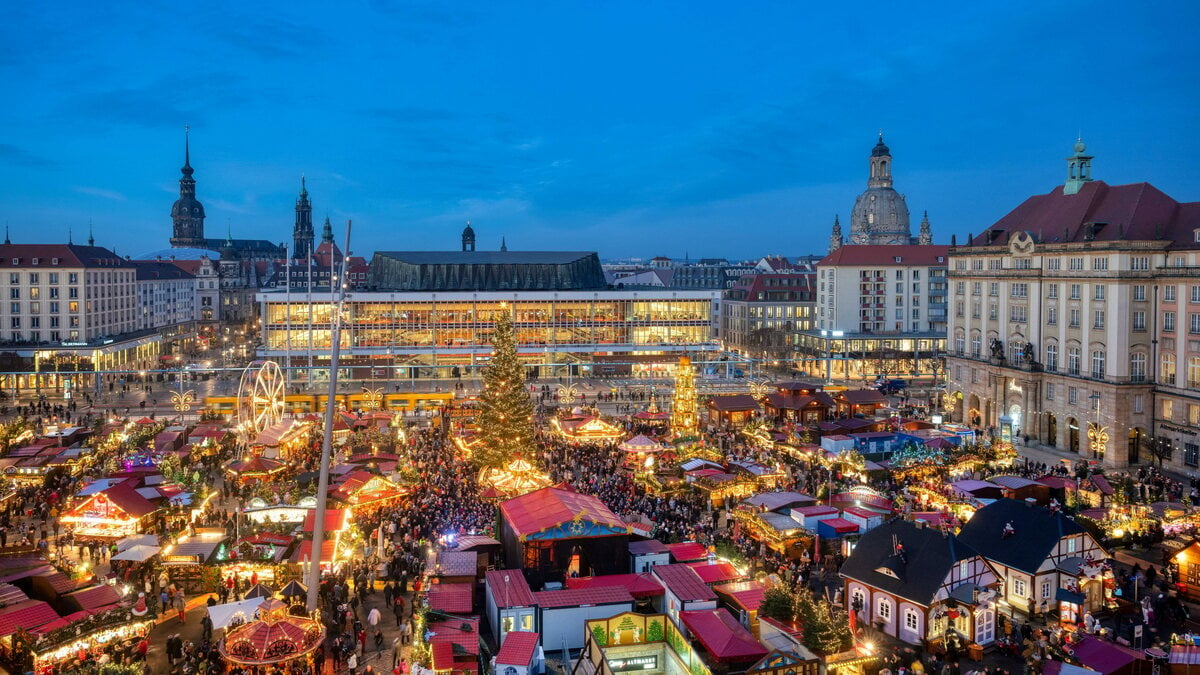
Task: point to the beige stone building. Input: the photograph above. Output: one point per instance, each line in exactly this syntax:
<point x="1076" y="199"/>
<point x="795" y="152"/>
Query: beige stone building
<point x="1056" y="314"/>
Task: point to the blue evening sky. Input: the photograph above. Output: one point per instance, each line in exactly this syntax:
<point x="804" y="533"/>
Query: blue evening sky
<point x="632" y="128"/>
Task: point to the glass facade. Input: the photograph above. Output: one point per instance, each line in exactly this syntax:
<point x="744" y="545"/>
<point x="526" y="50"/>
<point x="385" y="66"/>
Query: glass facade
<point x="453" y="328"/>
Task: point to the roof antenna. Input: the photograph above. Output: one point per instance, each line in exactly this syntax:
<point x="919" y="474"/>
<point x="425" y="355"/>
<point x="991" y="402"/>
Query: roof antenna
<point x="70" y="230"/>
<point x="6" y="239"/>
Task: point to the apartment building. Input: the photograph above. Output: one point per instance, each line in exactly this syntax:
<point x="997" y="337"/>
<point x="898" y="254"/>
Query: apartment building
<point x="1061" y="329"/>
<point x="881" y="310"/>
<point x="166" y="295"/>
<point x="763" y="315"/>
<point x="65" y="293"/>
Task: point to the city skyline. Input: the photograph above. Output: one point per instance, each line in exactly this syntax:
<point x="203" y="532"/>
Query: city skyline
<point x="579" y="128"/>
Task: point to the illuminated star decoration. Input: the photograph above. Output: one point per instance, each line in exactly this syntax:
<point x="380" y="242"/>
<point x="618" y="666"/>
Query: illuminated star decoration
<point x="577" y="527"/>
<point x="182" y="401"/>
<point x="760" y="388"/>
<point x="1097" y="437"/>
<point x="567" y="395"/>
<point x="374" y="398"/>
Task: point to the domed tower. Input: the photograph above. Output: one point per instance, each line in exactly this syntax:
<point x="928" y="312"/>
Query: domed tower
<point x="880" y="215"/>
<point x="925" y="236"/>
<point x="468" y="238"/>
<point x="1079" y="168"/>
<point x="187" y="214"/>
<point x="302" y="231"/>
<point x="327" y="232"/>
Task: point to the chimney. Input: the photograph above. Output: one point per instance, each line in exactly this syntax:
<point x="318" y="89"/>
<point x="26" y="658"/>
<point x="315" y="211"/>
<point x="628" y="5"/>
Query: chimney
<point x="919" y="523"/>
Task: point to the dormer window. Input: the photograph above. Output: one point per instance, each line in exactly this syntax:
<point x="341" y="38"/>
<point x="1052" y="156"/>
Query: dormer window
<point x="54" y="261"/>
<point x="885" y="570"/>
<point x="35" y="261"/>
<point x="896" y="259"/>
<point x="16" y="261"/>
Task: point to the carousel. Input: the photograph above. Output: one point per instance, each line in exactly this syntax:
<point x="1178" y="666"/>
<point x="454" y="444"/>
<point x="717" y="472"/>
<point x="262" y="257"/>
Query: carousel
<point x="586" y="429"/>
<point x="513" y="479"/>
<point x="276" y="637"/>
<point x="641" y="451"/>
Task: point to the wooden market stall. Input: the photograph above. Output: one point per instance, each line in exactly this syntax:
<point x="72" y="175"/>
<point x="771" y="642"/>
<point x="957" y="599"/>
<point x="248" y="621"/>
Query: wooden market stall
<point x="116" y="512"/>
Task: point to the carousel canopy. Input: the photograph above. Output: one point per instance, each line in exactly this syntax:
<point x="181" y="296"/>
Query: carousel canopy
<point x="274" y="638"/>
<point x="641" y="443"/>
<point x="516" y="478"/>
<point x="294" y="589"/>
<point x="555" y="513"/>
<point x="258" y="591"/>
<point x="255" y="465"/>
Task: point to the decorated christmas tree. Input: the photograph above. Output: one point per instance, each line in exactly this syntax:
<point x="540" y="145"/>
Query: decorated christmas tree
<point x="683" y="405"/>
<point x="505" y="413"/>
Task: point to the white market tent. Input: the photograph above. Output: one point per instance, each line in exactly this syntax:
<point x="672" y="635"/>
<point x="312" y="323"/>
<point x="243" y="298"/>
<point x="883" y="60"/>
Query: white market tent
<point x="640" y="443"/>
<point x="139" y="553"/>
<point x="223" y="615"/>
<point x="137" y="540"/>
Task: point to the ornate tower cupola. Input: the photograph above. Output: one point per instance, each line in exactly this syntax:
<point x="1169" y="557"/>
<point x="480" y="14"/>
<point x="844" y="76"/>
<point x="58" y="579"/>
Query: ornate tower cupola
<point x="302" y="232"/>
<point x="925" y="237"/>
<point x="1079" y="169"/>
<point x="835" y="237"/>
<point x="468" y="238"/>
<point x="327" y="232"/>
<point x="187" y="214"/>
<point x="881" y="165"/>
<point x="503" y="245"/>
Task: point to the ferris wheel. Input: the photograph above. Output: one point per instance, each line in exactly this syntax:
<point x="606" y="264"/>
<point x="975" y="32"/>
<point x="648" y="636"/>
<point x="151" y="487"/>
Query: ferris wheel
<point x="260" y="399"/>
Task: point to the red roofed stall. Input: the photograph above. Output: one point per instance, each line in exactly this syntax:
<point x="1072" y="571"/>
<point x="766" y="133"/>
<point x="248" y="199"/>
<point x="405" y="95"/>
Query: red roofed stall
<point x="725" y="640"/>
<point x="557" y="532"/>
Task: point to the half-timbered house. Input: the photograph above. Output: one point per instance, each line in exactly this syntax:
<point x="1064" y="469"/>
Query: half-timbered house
<point x="917" y="583"/>
<point x="1046" y="559"/>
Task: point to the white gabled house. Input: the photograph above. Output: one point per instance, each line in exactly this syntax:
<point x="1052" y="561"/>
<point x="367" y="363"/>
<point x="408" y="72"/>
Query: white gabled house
<point x="1047" y="560"/>
<point x="917" y="583"/>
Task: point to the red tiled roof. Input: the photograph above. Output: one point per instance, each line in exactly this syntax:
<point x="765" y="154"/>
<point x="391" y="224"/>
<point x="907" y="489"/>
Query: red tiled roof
<point x="335" y="520"/>
<point x="518" y="648"/>
<point x="722" y="636"/>
<point x="452" y="598"/>
<point x="28" y="614"/>
<point x="96" y="596"/>
<point x="683" y="582"/>
<point x="452" y="631"/>
<point x="514" y="593"/>
<point x="687" y="551"/>
<point x="1138" y="211"/>
<point x="746" y="594"/>
<point x="638" y="585"/>
<point x="648" y="546"/>
<point x="457" y="564"/>
<point x="715" y="573"/>
<point x="550" y="507"/>
<point x="733" y="403"/>
<point x="69" y="255"/>
<point x="304" y="550"/>
<point x="582" y="597"/>
<point x="886" y="254"/>
<point x="862" y="397"/>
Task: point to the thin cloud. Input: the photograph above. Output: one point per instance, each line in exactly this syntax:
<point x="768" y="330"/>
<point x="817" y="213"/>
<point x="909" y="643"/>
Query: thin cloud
<point x="17" y="156"/>
<point x="99" y="192"/>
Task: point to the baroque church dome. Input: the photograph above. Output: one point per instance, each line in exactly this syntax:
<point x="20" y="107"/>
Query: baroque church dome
<point x="880" y="214"/>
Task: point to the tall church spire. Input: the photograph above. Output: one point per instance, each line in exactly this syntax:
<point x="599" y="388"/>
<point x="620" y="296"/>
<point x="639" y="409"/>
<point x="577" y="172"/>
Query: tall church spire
<point x="327" y="232"/>
<point x="70" y="235"/>
<point x="835" y="237"/>
<point x="91" y="239"/>
<point x="187" y="214"/>
<point x="6" y="239"/>
<point x="503" y="244"/>
<point x="302" y="231"/>
<point x="925" y="236"/>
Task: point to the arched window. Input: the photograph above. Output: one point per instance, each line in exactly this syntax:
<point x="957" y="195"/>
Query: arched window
<point x="884" y="609"/>
<point x="882" y="169"/>
<point x="1137" y="368"/>
<point x="1194" y="372"/>
<point x="960" y="343"/>
<point x="1072" y="360"/>
<point x="1098" y="364"/>
<point x="1167" y="371"/>
<point x="1051" y="358"/>
<point x="976" y="345"/>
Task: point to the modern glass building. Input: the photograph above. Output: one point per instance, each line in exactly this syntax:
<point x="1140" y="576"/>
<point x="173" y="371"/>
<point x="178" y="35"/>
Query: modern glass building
<point x="401" y="335"/>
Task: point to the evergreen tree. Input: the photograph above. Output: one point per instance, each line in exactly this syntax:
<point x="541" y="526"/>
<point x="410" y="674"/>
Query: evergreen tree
<point x="505" y="418"/>
<point x="778" y="603"/>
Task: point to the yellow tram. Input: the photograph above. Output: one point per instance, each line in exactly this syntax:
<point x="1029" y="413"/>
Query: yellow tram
<point x="315" y="403"/>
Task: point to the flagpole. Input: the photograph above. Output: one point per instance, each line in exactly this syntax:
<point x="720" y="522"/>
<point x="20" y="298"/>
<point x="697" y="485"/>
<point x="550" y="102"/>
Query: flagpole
<point x="310" y="318"/>
<point x="287" y="303"/>
<point x="337" y="289"/>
